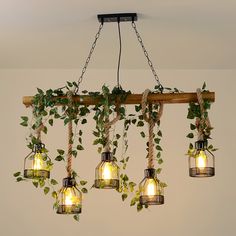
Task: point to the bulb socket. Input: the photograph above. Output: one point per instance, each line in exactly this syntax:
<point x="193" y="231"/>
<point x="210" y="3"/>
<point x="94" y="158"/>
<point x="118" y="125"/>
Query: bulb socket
<point x="201" y="144"/>
<point x="107" y="156"/>
<point x="38" y="147"/>
<point x="150" y="173"/>
<point x="68" y="182"/>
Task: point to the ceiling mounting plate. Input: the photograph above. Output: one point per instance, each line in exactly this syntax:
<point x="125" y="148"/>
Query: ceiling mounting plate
<point x="117" y="17"/>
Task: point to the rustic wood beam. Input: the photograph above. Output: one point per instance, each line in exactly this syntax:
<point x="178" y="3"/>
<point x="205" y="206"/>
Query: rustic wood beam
<point x="167" y="98"/>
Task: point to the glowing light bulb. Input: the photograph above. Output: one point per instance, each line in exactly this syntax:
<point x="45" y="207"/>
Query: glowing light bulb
<point x="38" y="161"/>
<point x="201" y="160"/>
<point x="151" y="187"/>
<point x="70" y="198"/>
<point x="107" y="171"/>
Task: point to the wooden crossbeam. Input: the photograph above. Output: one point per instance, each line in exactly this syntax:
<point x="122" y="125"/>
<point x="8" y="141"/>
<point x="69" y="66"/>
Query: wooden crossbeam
<point x="167" y="98"/>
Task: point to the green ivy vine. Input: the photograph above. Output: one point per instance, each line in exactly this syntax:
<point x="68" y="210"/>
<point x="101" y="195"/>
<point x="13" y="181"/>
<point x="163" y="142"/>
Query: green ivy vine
<point x="46" y="110"/>
<point x="194" y="112"/>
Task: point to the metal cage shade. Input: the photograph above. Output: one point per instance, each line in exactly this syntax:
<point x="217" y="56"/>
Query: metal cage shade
<point x="107" y="173"/>
<point x="70" y="198"/>
<point x="36" y="164"/>
<point x="151" y="192"/>
<point x="202" y="162"/>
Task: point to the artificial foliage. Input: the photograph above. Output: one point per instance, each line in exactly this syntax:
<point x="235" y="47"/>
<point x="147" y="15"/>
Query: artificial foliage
<point x="45" y="111"/>
<point x="195" y="114"/>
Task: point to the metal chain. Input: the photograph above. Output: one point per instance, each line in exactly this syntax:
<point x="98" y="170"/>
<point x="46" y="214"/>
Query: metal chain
<point x="89" y="57"/>
<point x="147" y="56"/>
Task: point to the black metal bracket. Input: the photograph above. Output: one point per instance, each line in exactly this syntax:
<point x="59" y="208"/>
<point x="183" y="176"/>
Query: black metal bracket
<point x="117" y="17"/>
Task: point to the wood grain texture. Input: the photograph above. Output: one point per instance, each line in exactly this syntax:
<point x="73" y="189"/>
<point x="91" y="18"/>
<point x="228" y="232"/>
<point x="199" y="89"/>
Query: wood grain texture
<point x="166" y="98"/>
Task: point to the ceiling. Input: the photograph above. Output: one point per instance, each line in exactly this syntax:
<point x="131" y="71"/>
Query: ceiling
<point x="184" y="34"/>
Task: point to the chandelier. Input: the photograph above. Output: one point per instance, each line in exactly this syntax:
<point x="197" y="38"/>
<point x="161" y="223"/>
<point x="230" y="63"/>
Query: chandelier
<point x="107" y="107"/>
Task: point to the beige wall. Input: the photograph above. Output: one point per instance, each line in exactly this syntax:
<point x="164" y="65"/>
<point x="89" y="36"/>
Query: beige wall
<point x="193" y="206"/>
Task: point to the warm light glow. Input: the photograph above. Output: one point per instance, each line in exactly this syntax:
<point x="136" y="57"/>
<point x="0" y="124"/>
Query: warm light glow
<point x="70" y="198"/>
<point x="151" y="187"/>
<point x="107" y="171"/>
<point x="38" y="161"/>
<point x="201" y="160"/>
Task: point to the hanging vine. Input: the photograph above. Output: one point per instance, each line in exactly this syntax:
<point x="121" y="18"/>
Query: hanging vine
<point x="202" y="127"/>
<point x="46" y="111"/>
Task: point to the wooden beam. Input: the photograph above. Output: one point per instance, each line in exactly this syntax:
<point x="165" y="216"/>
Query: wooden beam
<point x="167" y="98"/>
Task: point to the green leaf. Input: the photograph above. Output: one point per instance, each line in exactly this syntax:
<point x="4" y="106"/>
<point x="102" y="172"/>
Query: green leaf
<point x="74" y="153"/>
<point x="158" y="148"/>
<point x="84" y="121"/>
<point x="69" y="84"/>
<point x="163" y="185"/>
<point x="76" y="217"/>
<point x="159" y="133"/>
<point x="131" y="186"/>
<point x="190" y="146"/>
<point x="54" y="182"/>
<point x="117" y="136"/>
<point x="36" y="184"/>
<point x="160" y="161"/>
<point x="50" y="121"/>
<point x="83" y="182"/>
<point x="96" y="141"/>
<point x="214" y="149"/>
<point x="19" y="179"/>
<point x="139" y="207"/>
<point x="157" y="140"/>
<point x="125" y="178"/>
<point x="46" y="190"/>
<point x="192" y="126"/>
<point x="40" y="91"/>
<point x="124" y="196"/>
<point x="96" y="134"/>
<point x="60" y="151"/>
<point x="59" y="158"/>
<point x="54" y="194"/>
<point x="138" y="108"/>
<point x="190" y="135"/>
<point x="24" y="118"/>
<point x="80" y="147"/>
<point x="158" y="155"/>
<point x="204" y="86"/>
<point x="105" y="90"/>
<point x="158" y="171"/>
<point x="24" y="123"/>
<point x="140" y="123"/>
<point x="133" y="201"/>
<point x="66" y="121"/>
<point x="45" y="130"/>
<point x="80" y="140"/>
<point x="142" y="134"/>
<point x="17" y="174"/>
<point x="41" y="183"/>
<point x="84" y="190"/>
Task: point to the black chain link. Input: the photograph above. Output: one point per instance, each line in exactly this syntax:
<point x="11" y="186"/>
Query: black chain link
<point x="89" y="57"/>
<point x="147" y="56"/>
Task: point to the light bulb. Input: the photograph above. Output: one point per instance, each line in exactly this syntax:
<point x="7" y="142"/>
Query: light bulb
<point x="107" y="171"/>
<point x="201" y="159"/>
<point x="151" y="187"/>
<point x="70" y="198"/>
<point x="38" y="161"/>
